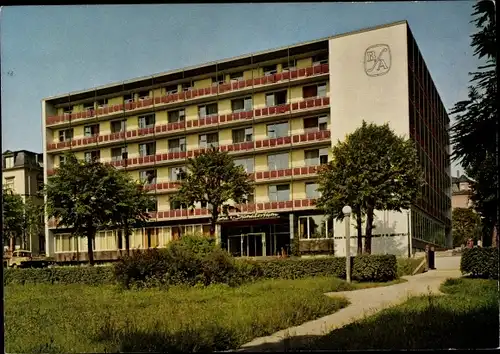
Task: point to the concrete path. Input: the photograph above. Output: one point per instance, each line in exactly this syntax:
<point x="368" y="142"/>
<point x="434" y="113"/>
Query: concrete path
<point x="364" y="302"/>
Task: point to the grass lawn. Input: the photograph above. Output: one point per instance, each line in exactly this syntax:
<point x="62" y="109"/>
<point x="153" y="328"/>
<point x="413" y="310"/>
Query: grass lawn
<point x="79" y="318"/>
<point x="465" y="318"/>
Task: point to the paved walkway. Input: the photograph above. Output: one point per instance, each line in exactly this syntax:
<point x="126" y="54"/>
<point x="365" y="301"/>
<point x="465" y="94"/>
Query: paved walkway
<point x="364" y="302"/>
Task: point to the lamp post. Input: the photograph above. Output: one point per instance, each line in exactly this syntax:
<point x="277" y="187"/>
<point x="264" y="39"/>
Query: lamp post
<point x="347" y="215"/>
<point x="410" y="246"/>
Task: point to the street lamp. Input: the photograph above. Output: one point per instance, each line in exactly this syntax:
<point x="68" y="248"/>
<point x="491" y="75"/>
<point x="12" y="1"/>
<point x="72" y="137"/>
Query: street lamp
<point x="410" y="246"/>
<point x="347" y="214"/>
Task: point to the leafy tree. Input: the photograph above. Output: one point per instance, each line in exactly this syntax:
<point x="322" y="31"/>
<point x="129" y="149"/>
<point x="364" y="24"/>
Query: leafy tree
<point x="12" y="215"/>
<point x="474" y="134"/>
<point x="213" y="179"/>
<point x="34" y="216"/>
<point x="465" y="224"/>
<point x="80" y="195"/>
<point x="373" y="169"/>
<point x="131" y="206"/>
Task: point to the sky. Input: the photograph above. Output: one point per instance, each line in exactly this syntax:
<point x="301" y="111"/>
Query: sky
<point x="51" y="50"/>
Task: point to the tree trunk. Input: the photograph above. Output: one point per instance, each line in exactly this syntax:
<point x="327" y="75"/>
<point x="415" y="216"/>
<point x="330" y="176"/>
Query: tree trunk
<point x="359" y="227"/>
<point x="494" y="241"/>
<point x="369" y="228"/>
<point x="90" y="249"/>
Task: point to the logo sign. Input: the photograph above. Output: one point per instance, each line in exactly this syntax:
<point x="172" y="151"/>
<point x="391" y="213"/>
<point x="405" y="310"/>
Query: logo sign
<point x="251" y="216"/>
<point x="378" y="60"/>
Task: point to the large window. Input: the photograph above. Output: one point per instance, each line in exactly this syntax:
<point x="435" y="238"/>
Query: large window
<point x="312" y="190"/>
<point x="241" y="104"/>
<point x="177" y="173"/>
<point x="246" y="163"/>
<point x="9" y="162"/>
<point x="208" y="110"/>
<point x="242" y="135"/>
<point x="319" y="59"/>
<point x="237" y="76"/>
<point x="315" y="226"/>
<point x="276" y="98"/>
<point x="318" y="90"/>
<point x="105" y="241"/>
<point x="270" y="69"/>
<point x="119" y="153"/>
<point x="177" y="145"/>
<point x="176" y="116"/>
<point x="91" y="130"/>
<point x="313" y="124"/>
<point x="279" y="193"/>
<point x="277" y="130"/>
<point x="103" y="102"/>
<point x="147" y="121"/>
<point x="278" y="161"/>
<point x="147" y="149"/>
<point x="171" y="89"/>
<point x="143" y="95"/>
<point x="92" y="155"/>
<point x="148" y="176"/>
<point x="152" y="237"/>
<point x="118" y="126"/>
<point x="316" y="157"/>
<point x="208" y="140"/>
<point x="289" y="65"/>
<point x="65" y="134"/>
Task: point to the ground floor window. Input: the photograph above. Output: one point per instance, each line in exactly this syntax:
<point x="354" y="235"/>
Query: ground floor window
<point x="315" y="226"/>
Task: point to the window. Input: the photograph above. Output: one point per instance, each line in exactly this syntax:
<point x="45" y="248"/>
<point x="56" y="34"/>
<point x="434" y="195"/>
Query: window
<point x="312" y="190"/>
<point x="92" y="155"/>
<point x="238" y="76"/>
<point x="316" y="123"/>
<point x="276" y="98"/>
<point x="103" y="102"/>
<point x="218" y="79"/>
<point x="128" y="98"/>
<point x="246" y="163"/>
<point x="241" y="105"/>
<point x="316" y="157"/>
<point x="289" y="65"/>
<point x="147" y="149"/>
<point x="278" y="161"/>
<point x="147" y="176"/>
<point x="177" y="145"/>
<point x="249" y="198"/>
<point x="9" y="162"/>
<point x="177" y="173"/>
<point x="314" y="91"/>
<point x="118" y="126"/>
<point x="119" y="153"/>
<point x="207" y="110"/>
<point x="152" y="237"/>
<point x="143" y="95"/>
<point x="270" y="70"/>
<point x="172" y="89"/>
<point x="176" y="205"/>
<point x="67" y="110"/>
<point x="9" y="183"/>
<point x="176" y="116"/>
<point x="242" y="135"/>
<point x="315" y="226"/>
<point x="147" y="121"/>
<point x="279" y="193"/>
<point x="320" y="59"/>
<point x="153" y="205"/>
<point x="65" y="135"/>
<point x="91" y="130"/>
<point x="89" y="106"/>
<point x="187" y="86"/>
<point x="208" y="140"/>
<point x="277" y="130"/>
<point x="62" y="160"/>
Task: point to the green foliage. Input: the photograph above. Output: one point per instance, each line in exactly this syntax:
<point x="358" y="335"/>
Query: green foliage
<point x="372" y="168"/>
<point x="406" y="266"/>
<point x="12" y="215"/>
<point x="375" y="268"/>
<point x="474" y="133"/>
<point x="480" y="262"/>
<point x="295" y="249"/>
<point x="34" y="213"/>
<point x="213" y="179"/>
<point x="465" y="224"/>
<point x="59" y="275"/>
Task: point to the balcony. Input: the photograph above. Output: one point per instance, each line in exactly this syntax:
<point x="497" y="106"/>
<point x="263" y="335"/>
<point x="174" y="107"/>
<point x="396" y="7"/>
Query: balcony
<point x="190" y="126"/>
<point x="195" y="94"/>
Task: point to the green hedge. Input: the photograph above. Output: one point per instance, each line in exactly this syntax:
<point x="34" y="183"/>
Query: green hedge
<point x="375" y="268"/>
<point x="59" y="275"/>
<point x="480" y="262"/>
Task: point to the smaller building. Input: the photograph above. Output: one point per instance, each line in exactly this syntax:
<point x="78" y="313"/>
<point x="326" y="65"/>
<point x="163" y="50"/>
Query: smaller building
<point x="461" y="192"/>
<point x="22" y="172"/>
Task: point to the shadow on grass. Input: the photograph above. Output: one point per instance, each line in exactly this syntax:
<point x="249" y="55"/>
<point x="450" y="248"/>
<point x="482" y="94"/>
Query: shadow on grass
<point x="425" y="323"/>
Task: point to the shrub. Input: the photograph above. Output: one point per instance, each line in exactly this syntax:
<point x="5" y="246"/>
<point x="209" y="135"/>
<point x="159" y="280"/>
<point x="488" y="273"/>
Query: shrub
<point x="59" y="275"/>
<point x="293" y="268"/>
<point x="406" y="266"/>
<point x="480" y="262"/>
<point x="375" y="268"/>
<point x="295" y="251"/>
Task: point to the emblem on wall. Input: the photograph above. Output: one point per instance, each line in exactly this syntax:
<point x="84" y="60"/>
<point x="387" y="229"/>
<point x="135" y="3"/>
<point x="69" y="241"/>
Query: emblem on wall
<point x="377" y="60"/>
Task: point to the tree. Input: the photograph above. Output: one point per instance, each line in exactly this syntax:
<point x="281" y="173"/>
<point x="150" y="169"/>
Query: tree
<point x="373" y="169"/>
<point x="12" y="215"/>
<point x="34" y="216"/>
<point x="213" y="179"/>
<point x="81" y="196"/>
<point x="132" y="205"/>
<point x="474" y="134"/>
<point x="465" y="224"/>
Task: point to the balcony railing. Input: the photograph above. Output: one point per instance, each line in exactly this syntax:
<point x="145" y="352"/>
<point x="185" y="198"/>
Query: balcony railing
<point x="165" y="129"/>
<point x="192" y="94"/>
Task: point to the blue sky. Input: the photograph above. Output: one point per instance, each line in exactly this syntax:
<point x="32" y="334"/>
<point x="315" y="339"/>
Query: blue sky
<point x="56" y="49"/>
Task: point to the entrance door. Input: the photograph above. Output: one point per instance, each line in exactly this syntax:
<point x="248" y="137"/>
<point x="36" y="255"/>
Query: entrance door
<point x="256" y="244"/>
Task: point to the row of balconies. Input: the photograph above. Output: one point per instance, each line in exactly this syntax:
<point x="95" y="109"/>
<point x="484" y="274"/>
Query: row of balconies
<point x="192" y="94"/>
<point x="250" y="146"/>
<point x="259" y="177"/>
<point x="198" y="213"/>
<point x="256" y="115"/>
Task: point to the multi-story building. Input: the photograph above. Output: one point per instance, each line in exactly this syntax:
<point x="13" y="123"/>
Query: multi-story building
<point x="277" y="113"/>
<point x="23" y="174"/>
<point x="461" y="192"/>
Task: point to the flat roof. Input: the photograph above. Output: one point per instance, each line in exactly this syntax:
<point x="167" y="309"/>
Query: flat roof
<point x="178" y="74"/>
